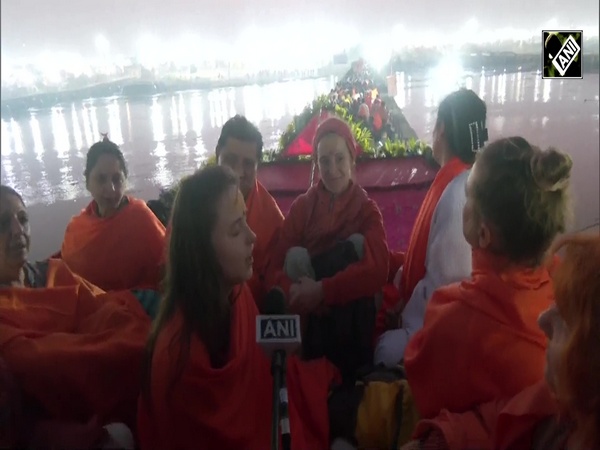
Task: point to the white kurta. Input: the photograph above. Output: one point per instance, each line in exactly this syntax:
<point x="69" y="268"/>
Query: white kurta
<point x="447" y="261"/>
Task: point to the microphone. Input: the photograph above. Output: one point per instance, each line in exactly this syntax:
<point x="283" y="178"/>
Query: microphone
<point x="278" y="334"/>
<point x="276" y="330"/>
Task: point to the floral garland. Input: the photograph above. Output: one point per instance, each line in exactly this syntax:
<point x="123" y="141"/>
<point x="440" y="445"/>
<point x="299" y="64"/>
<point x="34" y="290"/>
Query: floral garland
<point x="362" y="134"/>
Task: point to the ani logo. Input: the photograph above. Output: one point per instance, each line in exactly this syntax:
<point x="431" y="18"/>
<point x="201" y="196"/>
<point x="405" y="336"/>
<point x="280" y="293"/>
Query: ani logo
<point x="562" y="55"/>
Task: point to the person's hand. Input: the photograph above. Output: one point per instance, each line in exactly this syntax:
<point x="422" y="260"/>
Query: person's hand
<point x="306" y="295"/>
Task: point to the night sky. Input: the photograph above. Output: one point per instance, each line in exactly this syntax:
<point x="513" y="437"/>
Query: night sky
<point x="31" y="26"/>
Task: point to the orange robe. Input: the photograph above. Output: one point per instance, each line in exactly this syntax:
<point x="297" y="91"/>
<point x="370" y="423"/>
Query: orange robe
<point x="123" y="251"/>
<point x="317" y="221"/>
<point x="497" y="425"/>
<point x="480" y="340"/>
<point x="265" y="219"/>
<point x="414" y="259"/>
<point x="230" y="408"/>
<point x="73" y="348"/>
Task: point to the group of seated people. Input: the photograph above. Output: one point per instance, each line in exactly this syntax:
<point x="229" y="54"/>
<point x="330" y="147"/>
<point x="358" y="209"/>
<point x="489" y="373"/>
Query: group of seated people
<point x="133" y="336"/>
<point x="366" y="105"/>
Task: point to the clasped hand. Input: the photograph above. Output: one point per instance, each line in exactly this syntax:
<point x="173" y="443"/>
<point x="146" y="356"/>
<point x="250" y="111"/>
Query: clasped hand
<point x="306" y="295"/>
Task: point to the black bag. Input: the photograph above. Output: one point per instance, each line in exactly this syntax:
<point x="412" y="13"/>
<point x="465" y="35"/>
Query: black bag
<point x="345" y="334"/>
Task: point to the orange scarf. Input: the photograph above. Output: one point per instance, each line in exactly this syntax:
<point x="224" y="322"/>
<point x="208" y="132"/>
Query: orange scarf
<point x="123" y="251"/>
<point x="414" y="263"/>
<point x="488" y="327"/>
<point x="73" y="348"/>
<point x="265" y="219"/>
<point x="230" y="407"/>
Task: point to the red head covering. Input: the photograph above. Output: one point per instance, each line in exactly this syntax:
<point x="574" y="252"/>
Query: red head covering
<point x="335" y="125"/>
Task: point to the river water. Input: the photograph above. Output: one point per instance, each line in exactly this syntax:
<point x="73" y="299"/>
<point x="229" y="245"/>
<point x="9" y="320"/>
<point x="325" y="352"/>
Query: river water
<point x="166" y="137"/>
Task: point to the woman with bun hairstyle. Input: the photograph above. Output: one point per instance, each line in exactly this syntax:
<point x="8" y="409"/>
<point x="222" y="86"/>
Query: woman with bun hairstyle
<point x="116" y="242"/>
<point x="480" y="340"/>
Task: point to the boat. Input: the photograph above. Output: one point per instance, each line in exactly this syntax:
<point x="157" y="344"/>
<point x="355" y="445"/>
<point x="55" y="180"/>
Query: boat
<point x="395" y="172"/>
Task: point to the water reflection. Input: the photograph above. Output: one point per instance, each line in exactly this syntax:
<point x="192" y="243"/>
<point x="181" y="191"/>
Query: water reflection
<point x="6" y="137"/>
<point x="158" y="132"/>
<point x="38" y="146"/>
<point x="546" y="90"/>
<point x="94" y="122"/>
<point x="17" y="136"/>
<point x="482" y="81"/>
<point x="196" y="114"/>
<point x="167" y="137"/>
<point x="60" y="133"/>
<point x="87" y="128"/>
<point x="182" y="118"/>
<point x="76" y="129"/>
<point x="502" y="88"/>
<point x="174" y="118"/>
<point x="519" y="87"/>
<point x="114" y="123"/>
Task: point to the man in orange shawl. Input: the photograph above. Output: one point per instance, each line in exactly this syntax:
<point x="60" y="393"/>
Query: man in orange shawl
<point x="116" y="242"/>
<point x="480" y="340"/>
<point x="437" y="251"/>
<point x="73" y="350"/>
<point x="240" y="147"/>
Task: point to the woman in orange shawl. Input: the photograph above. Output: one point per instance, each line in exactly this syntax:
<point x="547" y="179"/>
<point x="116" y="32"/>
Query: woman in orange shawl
<point x="72" y="350"/>
<point x="480" y="340"/>
<point x="332" y="255"/>
<point x="116" y="242"/>
<point x="558" y="413"/>
<point x="206" y="383"/>
<point x="437" y="252"/>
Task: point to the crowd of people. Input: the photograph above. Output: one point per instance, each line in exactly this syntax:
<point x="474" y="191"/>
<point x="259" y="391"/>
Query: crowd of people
<point x="362" y="99"/>
<point x="137" y="336"/>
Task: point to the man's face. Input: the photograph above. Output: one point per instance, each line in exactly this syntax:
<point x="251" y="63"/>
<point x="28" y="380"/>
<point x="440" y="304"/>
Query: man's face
<point x="242" y="158"/>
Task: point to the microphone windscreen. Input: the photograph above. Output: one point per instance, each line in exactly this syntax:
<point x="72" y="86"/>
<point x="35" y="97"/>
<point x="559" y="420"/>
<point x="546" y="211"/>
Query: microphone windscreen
<point x="274" y="303"/>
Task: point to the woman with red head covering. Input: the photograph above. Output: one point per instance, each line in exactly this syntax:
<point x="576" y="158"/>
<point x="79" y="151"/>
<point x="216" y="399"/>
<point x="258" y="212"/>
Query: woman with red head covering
<point x="332" y="256"/>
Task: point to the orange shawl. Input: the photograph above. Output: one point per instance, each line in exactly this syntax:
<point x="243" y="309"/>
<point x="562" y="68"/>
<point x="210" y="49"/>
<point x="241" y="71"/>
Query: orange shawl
<point x="317" y="221"/>
<point x="497" y="425"/>
<point x="265" y="219"/>
<point x="414" y="262"/>
<point x="230" y="408"/>
<point x="480" y="340"/>
<point x="123" y="251"/>
<point x="73" y="348"/>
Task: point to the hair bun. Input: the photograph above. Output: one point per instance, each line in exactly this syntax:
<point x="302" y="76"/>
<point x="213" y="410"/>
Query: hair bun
<point x="551" y="169"/>
<point x="105" y="137"/>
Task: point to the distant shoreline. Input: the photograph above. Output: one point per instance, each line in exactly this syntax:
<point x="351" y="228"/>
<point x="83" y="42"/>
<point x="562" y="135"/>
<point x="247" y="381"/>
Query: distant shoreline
<point x="508" y="62"/>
